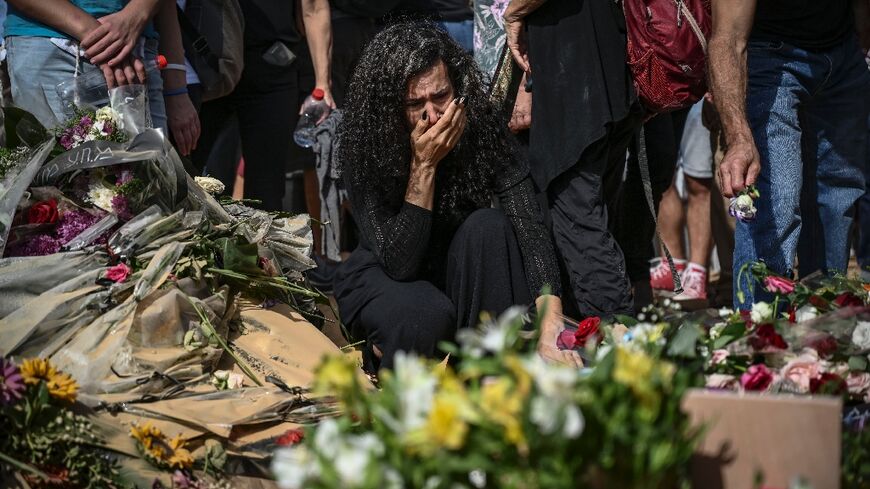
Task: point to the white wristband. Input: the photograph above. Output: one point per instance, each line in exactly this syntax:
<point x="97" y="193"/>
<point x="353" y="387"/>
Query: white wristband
<point x="173" y="66"/>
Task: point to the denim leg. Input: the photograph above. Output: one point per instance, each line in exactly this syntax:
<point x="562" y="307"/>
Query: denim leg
<point x="36" y="67"/>
<point x="156" y="104"/>
<point x="835" y="123"/>
<point x="776" y="81"/>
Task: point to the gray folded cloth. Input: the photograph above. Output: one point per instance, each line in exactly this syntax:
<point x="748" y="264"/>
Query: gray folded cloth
<point x="331" y="196"/>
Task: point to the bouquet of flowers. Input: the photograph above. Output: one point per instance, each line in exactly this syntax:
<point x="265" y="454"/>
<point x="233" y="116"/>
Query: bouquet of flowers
<point x="501" y="418"/>
<point x="103" y="124"/>
<point x="44" y="440"/>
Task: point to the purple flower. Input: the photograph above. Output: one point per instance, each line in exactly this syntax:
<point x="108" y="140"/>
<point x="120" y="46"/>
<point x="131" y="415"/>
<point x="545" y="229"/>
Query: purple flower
<point x="66" y="140"/>
<point x="11" y="383"/>
<point x="126" y="176"/>
<point x="73" y="223"/>
<point x="37" y="246"/>
<point x="122" y="207"/>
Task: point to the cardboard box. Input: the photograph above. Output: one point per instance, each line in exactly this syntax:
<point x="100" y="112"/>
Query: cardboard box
<point x="781" y="437"/>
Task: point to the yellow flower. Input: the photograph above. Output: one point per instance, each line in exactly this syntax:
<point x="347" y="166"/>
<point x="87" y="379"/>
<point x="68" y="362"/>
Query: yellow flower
<point x="636" y="370"/>
<point x="503" y="400"/>
<point x="35" y="370"/>
<point x="632" y="369"/>
<point x="62" y="386"/>
<point x="504" y="409"/>
<point x="159" y="449"/>
<point x="445" y="426"/>
<point x="181" y="457"/>
<point x="335" y="375"/>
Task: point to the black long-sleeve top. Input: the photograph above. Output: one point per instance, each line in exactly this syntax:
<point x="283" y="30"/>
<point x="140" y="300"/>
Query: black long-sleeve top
<point x="402" y="236"/>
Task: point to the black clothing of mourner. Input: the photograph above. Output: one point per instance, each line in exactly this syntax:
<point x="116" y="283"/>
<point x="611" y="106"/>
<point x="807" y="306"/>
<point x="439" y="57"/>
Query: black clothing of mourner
<point x="416" y="279"/>
<point x="446" y="10"/>
<point x="807" y="24"/>
<point x="263" y="87"/>
<point x="584" y="116"/>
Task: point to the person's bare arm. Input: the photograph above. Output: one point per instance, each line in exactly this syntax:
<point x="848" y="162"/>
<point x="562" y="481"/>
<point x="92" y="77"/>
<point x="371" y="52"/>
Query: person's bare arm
<point x="181" y="115"/>
<point x="318" y="31"/>
<point x="514" y="26"/>
<point x="61" y="15"/>
<point x="66" y="17"/>
<point x="117" y="35"/>
<point x="732" y="23"/>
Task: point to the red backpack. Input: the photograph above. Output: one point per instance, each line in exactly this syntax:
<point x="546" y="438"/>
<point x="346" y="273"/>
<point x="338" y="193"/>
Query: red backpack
<point x="667" y="51"/>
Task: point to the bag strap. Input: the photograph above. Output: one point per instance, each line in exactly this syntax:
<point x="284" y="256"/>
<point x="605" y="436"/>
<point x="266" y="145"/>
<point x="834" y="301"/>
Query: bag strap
<point x="195" y="42"/>
<point x="643" y="163"/>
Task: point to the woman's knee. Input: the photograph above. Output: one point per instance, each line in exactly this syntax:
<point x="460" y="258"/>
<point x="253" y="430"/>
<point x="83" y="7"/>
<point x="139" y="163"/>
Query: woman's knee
<point x="486" y="223"/>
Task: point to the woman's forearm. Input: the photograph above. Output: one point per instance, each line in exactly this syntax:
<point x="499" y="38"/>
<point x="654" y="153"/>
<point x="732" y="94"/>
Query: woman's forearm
<point x="421" y="186"/>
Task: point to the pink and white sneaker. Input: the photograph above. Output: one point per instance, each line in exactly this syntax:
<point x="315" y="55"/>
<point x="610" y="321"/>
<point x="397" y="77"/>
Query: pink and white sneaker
<point x="694" y="279"/>
<point x="660" y="277"/>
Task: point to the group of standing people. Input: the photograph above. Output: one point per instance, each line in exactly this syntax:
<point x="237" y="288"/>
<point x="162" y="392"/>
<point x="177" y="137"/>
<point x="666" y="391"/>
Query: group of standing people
<point x="462" y="207"/>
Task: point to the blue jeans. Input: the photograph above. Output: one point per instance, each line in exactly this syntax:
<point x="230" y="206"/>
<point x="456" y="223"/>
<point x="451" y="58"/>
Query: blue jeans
<point x="462" y="32"/>
<point x="36" y="67"/>
<point x="808" y="111"/>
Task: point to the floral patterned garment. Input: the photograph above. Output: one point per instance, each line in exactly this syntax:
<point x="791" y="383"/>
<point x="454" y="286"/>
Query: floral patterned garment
<point x="489" y="34"/>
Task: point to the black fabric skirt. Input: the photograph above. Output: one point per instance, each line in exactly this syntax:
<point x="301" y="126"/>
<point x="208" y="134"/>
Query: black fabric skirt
<point x="484" y="272"/>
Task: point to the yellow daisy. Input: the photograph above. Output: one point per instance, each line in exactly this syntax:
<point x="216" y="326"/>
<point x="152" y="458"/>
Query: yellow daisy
<point x="63" y="387"/>
<point x="181" y="457"/>
<point x="35" y="370"/>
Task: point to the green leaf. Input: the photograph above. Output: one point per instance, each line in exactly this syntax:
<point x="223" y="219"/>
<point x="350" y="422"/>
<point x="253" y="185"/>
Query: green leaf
<point x="857" y="363"/>
<point x="685" y="342"/>
<point x="239" y="256"/>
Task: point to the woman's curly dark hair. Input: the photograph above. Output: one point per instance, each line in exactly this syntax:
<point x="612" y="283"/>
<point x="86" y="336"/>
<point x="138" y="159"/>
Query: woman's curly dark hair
<point x="374" y="138"/>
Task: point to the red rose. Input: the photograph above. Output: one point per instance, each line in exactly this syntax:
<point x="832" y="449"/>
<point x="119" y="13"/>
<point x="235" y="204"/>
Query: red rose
<point x="43" y="212"/>
<point x="792" y="314"/>
<point x="825" y="344"/>
<point x="765" y="336"/>
<point x="757" y="378"/>
<point x="586" y="330"/>
<point x="778" y="285"/>
<point x="847" y="300"/>
<point x="828" y="383"/>
<point x="565" y="340"/>
<point x="119" y="272"/>
<point x="291" y="437"/>
<point x="819" y="303"/>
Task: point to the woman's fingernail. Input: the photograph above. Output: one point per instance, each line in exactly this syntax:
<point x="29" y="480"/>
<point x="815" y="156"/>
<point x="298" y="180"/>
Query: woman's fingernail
<point x="462" y="100"/>
<point x="456" y="100"/>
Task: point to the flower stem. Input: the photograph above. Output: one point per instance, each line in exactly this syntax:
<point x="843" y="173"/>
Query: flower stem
<point x="212" y="333"/>
<point x="23" y="466"/>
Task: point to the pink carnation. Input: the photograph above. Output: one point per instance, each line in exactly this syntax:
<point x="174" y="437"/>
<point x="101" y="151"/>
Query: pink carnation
<point x="778" y="285"/>
<point x="801" y="370"/>
<point x="119" y="272"/>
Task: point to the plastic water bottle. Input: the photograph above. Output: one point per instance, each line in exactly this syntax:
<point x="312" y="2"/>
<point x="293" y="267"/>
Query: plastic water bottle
<point x="314" y="111"/>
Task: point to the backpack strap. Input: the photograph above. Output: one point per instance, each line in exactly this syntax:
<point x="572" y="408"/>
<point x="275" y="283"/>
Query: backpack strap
<point x="195" y="42"/>
<point x="643" y="163"/>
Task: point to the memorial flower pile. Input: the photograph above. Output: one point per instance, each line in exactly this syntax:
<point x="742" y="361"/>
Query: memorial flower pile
<point x="502" y="417"/>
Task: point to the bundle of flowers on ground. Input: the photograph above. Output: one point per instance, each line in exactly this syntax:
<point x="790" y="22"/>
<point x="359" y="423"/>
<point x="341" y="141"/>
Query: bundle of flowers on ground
<point x="809" y="338"/>
<point x="126" y="273"/>
<point x="500" y="418"/>
<point x="44" y="441"/>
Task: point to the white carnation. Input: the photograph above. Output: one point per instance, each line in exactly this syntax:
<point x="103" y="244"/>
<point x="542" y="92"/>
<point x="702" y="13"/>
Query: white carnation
<point x="861" y="335"/>
<point x="210" y="185"/>
<point x="101" y="196"/>
<point x="761" y="311"/>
